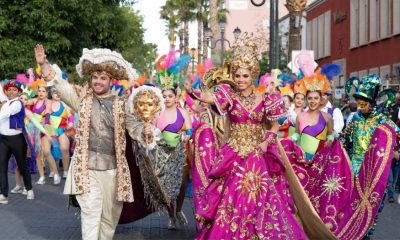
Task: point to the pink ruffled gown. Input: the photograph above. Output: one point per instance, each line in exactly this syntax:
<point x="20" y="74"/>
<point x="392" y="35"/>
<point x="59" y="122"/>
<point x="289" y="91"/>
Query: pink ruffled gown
<point x="247" y="196"/>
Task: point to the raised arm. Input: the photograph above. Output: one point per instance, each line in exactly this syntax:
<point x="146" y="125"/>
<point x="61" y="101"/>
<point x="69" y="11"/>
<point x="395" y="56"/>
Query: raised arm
<point x="52" y="75"/>
<point x="201" y="96"/>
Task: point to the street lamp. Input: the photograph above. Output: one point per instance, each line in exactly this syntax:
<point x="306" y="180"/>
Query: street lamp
<point x="273" y="30"/>
<point x="222" y="25"/>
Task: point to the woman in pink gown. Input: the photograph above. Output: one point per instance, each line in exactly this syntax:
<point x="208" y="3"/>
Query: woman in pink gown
<point x="248" y="196"/>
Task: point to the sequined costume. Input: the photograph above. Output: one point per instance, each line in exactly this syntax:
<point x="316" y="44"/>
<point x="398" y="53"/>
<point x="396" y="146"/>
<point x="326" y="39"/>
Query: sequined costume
<point x="248" y="198"/>
<point x="170" y="156"/>
<point x="347" y="189"/>
<point x="360" y="131"/>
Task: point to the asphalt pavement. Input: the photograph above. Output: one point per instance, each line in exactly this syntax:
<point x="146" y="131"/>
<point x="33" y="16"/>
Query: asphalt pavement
<point x="47" y="217"/>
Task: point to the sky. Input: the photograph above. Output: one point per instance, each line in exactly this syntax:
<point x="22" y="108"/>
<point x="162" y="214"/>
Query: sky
<point x="155" y="28"/>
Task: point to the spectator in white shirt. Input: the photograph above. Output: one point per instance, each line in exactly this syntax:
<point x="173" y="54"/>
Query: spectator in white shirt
<point x="12" y="140"/>
<point x="336" y="114"/>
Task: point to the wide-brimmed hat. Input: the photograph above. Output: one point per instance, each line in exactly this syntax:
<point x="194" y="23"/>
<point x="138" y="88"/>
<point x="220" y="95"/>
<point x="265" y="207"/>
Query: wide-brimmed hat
<point x="102" y="59"/>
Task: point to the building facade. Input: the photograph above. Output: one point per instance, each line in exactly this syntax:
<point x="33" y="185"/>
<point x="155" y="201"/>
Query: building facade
<point x="363" y="36"/>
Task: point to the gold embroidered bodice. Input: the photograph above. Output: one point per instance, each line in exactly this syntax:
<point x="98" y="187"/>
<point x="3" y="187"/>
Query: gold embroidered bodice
<point x="245" y="137"/>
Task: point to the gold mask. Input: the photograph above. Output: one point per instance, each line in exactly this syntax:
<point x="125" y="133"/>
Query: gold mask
<point x="147" y="105"/>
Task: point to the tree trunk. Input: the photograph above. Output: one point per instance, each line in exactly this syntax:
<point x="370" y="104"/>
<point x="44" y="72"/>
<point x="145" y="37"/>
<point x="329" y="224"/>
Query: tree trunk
<point x="199" y="32"/>
<point x="181" y="43"/>
<point x="171" y="36"/>
<point x="295" y="8"/>
<point x="214" y="20"/>
<point x="205" y="46"/>
<point x="186" y="36"/>
<point x="294" y="36"/>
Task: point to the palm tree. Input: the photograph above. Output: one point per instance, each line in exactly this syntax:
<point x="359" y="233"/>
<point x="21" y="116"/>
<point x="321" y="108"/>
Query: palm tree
<point x="206" y="19"/>
<point x="182" y="12"/>
<point x="295" y="8"/>
<point x="168" y="13"/>
<point x="199" y="29"/>
<point x="214" y="19"/>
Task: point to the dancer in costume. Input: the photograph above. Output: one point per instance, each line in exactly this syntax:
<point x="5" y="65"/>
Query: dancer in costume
<point x="32" y="126"/>
<point x="41" y="112"/>
<point x="176" y="129"/>
<point x="286" y="128"/>
<point x="12" y="140"/>
<point x="207" y="137"/>
<point x="331" y="70"/>
<point x="359" y="135"/>
<point x="346" y="189"/>
<point x="313" y="127"/>
<point x="99" y="175"/>
<point x="61" y="119"/>
<point x="248" y="196"/>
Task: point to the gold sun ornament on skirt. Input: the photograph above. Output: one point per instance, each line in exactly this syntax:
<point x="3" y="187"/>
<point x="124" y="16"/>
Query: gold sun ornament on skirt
<point x="252" y="182"/>
<point x="333" y="185"/>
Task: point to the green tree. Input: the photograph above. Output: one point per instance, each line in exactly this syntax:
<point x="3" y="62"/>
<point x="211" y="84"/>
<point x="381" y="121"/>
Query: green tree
<point x="65" y="27"/>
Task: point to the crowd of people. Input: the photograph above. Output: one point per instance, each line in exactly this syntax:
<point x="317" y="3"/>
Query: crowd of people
<point x="269" y="156"/>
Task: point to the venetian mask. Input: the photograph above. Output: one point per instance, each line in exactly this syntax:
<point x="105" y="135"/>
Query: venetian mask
<point x="147" y="105"/>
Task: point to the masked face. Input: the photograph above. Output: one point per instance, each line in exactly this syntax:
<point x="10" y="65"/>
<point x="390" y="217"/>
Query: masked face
<point x="147" y="106"/>
<point x="363" y="106"/>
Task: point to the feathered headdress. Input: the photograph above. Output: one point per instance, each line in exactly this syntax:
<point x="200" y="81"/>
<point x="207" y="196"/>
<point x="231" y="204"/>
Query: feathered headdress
<point x="299" y="87"/>
<point x="317" y="82"/>
<point x="287" y="82"/>
<point x="168" y="67"/>
<point x="269" y="82"/>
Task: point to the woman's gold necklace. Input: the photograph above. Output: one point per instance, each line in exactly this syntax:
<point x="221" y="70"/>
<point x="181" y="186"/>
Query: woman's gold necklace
<point x="247" y="101"/>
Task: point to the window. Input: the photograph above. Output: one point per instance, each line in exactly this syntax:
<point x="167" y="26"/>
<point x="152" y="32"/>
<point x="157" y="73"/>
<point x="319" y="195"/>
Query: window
<point x="396" y="17"/>
<point x="320" y="52"/>
<point x="374" y="71"/>
<point x="384" y="73"/>
<point x="373" y="20"/>
<point x="385" y="18"/>
<point x="309" y="35"/>
<point x="354" y="23"/>
<point x="396" y="72"/>
<point x="353" y="74"/>
<point x="314" y="41"/>
<point x="327" y="34"/>
<point x="363" y="22"/>
<point x="318" y="36"/>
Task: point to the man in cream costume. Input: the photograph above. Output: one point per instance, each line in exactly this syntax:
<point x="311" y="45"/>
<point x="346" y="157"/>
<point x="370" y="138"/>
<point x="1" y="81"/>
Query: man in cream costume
<point x="99" y="174"/>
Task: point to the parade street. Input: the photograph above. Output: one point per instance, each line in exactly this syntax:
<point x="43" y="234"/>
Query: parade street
<point x="47" y="217"/>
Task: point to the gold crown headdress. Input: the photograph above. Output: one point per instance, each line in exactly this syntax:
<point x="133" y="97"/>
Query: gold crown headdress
<point x="317" y="82"/>
<point x="218" y="75"/>
<point x="245" y="54"/>
<point x="299" y="87"/>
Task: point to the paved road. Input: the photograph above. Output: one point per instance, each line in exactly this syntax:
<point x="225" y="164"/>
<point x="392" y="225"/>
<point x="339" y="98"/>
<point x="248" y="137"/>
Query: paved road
<point x="48" y="218"/>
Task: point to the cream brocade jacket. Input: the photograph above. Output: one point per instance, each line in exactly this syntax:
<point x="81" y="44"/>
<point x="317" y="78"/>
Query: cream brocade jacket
<point x="78" y="176"/>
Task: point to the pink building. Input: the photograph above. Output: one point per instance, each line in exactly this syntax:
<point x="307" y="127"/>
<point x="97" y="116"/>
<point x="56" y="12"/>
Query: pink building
<point x="249" y="18"/>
